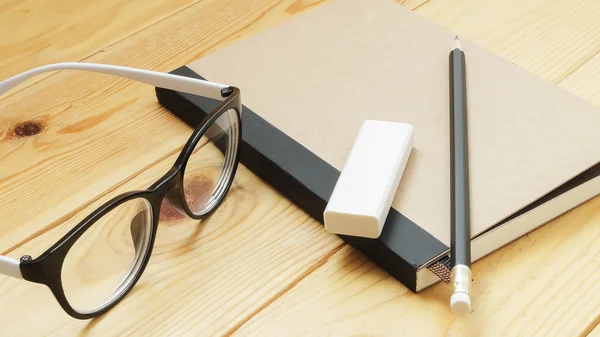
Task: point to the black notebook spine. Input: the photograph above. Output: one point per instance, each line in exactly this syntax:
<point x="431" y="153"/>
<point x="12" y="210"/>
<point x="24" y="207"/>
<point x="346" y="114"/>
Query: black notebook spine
<point x="308" y="181"/>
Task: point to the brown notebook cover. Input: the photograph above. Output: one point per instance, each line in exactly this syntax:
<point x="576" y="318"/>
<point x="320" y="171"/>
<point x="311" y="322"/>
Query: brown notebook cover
<point x="318" y="76"/>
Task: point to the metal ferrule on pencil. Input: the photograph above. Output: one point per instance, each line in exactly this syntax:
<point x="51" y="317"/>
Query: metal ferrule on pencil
<point x="461" y="279"/>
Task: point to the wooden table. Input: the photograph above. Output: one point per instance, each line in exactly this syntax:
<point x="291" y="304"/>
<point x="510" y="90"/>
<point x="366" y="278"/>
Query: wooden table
<point x="259" y="266"/>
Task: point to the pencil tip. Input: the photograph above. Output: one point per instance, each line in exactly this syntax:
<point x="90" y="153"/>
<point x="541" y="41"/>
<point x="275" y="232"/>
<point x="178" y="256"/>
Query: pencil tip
<point x="456" y="44"/>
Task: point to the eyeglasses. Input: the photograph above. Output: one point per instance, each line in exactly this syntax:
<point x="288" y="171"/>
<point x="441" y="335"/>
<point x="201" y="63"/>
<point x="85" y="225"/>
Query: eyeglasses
<point x="95" y="265"/>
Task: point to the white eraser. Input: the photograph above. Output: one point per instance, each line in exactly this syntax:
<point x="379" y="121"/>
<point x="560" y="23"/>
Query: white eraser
<point x="363" y="194"/>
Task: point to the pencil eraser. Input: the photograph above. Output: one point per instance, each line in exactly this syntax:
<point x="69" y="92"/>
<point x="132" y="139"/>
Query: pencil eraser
<point x="366" y="187"/>
<point x="460" y="303"/>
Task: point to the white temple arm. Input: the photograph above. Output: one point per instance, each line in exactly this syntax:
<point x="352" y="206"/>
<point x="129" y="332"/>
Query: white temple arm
<point x="10" y="267"/>
<point x="157" y="79"/>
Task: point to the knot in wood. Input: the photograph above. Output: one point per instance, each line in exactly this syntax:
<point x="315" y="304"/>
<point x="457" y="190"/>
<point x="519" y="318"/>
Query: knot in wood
<point x="27" y="129"/>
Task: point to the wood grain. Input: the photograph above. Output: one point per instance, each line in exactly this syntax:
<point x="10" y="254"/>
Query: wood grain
<point x="259" y="266"/>
<point x="550" y="39"/>
<point x="97" y="131"/>
<point x="38" y="32"/>
<point x="204" y="276"/>
<point x="60" y="31"/>
<point x="97" y="135"/>
<point x="70" y="162"/>
<point x="584" y="80"/>
<point x="542" y="285"/>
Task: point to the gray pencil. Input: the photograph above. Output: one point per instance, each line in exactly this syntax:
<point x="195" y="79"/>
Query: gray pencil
<point x="460" y="243"/>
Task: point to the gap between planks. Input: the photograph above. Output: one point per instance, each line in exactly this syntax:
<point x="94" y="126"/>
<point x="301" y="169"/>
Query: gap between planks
<point x="420" y="5"/>
<point x="593" y="329"/>
<point x="92" y="200"/>
<point x="314" y="267"/>
<point x="586" y="61"/>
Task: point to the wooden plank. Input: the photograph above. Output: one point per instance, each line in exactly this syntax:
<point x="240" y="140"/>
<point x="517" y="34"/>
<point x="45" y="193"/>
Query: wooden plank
<point x="204" y="277"/>
<point x="550" y="39"/>
<point x="98" y="131"/>
<point x="544" y="284"/>
<point x="166" y="45"/>
<point x="38" y="32"/>
<point x="95" y="133"/>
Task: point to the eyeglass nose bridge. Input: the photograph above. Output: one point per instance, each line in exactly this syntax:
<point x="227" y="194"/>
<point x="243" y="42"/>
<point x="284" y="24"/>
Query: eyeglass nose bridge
<point x="170" y="187"/>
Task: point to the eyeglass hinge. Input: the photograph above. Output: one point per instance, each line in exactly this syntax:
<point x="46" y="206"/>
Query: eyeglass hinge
<point x="226" y="92"/>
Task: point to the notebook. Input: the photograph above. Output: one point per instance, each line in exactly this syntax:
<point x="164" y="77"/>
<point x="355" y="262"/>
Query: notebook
<point x="308" y="84"/>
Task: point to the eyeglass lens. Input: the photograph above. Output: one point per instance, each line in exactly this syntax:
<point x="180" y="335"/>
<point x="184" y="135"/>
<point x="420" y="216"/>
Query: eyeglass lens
<point x="104" y="260"/>
<point x="210" y="166"/>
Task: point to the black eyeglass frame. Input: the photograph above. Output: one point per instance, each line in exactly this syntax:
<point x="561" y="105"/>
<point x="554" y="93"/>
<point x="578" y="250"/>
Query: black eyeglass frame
<point x="46" y="269"/>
